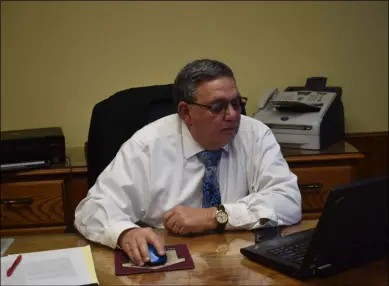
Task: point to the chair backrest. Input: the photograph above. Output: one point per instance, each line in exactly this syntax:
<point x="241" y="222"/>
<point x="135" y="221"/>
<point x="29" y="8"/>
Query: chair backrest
<point x="115" y="119"/>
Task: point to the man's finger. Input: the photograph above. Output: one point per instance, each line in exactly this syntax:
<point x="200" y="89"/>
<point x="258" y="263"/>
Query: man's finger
<point x="126" y="247"/>
<point x="183" y="230"/>
<point x="167" y="216"/>
<point x="171" y="222"/>
<point x="127" y="250"/>
<point x="144" y="250"/>
<point x="157" y="243"/>
<point x="135" y="255"/>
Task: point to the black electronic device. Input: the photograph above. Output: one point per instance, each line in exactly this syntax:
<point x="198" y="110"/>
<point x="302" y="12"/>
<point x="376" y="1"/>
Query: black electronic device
<point x="352" y="230"/>
<point x="155" y="258"/>
<point x="32" y="148"/>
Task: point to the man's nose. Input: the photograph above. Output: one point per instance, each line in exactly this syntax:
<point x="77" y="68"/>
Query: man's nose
<point x="231" y="113"/>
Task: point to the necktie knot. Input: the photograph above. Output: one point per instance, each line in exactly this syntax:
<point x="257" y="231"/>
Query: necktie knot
<point x="210" y="158"/>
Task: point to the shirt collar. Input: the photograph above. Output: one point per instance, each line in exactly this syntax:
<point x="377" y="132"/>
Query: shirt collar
<point x="190" y="146"/>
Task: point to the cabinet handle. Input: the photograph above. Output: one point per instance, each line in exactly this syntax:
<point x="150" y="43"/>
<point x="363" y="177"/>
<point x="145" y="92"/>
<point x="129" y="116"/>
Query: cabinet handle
<point x="313" y="187"/>
<point x="10" y="202"/>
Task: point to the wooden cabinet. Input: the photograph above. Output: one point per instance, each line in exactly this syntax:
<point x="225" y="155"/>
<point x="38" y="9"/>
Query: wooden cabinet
<point x="315" y="184"/>
<point x="318" y="172"/>
<point x="35" y="203"/>
<point x="44" y="201"/>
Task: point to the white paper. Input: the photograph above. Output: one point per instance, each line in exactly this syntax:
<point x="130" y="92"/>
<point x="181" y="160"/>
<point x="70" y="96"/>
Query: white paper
<point x="5" y="244"/>
<point x="56" y="267"/>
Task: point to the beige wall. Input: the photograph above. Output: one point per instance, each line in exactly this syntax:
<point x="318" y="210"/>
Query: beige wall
<point x="60" y="58"/>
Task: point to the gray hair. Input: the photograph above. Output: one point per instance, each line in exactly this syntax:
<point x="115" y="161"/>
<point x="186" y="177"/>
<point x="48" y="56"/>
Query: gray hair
<point x="193" y="74"/>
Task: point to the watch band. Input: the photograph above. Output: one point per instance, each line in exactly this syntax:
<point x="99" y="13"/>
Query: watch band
<point x="221" y="208"/>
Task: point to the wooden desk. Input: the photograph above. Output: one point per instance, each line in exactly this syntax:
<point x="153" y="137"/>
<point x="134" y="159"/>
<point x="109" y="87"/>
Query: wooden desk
<point x="48" y="197"/>
<point x="217" y="261"/>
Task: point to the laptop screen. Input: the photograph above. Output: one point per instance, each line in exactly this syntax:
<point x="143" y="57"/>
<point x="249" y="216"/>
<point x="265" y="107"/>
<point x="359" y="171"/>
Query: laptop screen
<point x="354" y="221"/>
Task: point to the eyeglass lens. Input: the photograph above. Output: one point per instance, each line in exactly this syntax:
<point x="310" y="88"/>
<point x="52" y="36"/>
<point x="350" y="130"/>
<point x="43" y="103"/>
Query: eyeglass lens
<point x="222" y="105"/>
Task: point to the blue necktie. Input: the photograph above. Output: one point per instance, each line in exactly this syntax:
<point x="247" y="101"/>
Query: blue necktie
<point x="211" y="191"/>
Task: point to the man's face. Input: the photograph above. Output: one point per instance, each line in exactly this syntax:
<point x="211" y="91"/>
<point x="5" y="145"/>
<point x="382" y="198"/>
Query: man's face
<point x="213" y="131"/>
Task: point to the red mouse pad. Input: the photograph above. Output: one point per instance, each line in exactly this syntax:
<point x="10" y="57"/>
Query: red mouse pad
<point x="178" y="258"/>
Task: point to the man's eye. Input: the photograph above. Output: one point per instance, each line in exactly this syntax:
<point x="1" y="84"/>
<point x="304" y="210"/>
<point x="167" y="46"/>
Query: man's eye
<point x="217" y="107"/>
<point x="236" y="103"/>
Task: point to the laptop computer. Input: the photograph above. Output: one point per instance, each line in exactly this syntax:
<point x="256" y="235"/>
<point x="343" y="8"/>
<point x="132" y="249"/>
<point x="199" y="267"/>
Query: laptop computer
<point x="352" y="230"/>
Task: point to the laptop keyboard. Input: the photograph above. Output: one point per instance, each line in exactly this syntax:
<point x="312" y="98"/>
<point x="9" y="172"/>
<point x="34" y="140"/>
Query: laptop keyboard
<point x="293" y="252"/>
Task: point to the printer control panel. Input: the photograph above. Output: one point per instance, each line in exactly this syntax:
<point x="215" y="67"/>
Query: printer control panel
<point x="299" y="97"/>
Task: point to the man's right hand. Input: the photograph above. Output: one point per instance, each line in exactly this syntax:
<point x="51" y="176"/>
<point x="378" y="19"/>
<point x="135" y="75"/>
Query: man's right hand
<point x="134" y="242"/>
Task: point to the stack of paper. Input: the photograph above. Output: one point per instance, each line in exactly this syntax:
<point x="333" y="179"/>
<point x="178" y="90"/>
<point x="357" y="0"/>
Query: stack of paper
<point x="5" y="244"/>
<point x="70" y="266"/>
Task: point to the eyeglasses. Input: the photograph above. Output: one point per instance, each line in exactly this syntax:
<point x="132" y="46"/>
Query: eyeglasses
<point x="221" y="106"/>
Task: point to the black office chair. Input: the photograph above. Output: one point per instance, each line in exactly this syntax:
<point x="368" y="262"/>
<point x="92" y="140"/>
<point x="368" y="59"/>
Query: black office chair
<point x="115" y="119"/>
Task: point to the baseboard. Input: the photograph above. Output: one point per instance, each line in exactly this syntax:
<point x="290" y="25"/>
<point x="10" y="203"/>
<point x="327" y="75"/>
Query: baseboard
<point x="374" y="145"/>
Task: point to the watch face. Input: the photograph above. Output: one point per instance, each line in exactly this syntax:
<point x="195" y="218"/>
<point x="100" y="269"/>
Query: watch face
<point x="221" y="217"/>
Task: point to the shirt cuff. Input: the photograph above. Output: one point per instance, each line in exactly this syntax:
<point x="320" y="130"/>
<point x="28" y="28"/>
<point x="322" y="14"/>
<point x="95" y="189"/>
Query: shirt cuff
<point x="116" y="229"/>
<point x="239" y="215"/>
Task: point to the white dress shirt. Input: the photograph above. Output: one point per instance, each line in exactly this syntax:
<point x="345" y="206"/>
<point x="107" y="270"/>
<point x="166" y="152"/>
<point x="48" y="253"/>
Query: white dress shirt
<point x="157" y="169"/>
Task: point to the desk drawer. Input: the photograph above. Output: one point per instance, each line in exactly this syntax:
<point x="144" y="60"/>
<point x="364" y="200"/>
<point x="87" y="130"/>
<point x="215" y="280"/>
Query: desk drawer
<point x="36" y="203"/>
<point x="315" y="183"/>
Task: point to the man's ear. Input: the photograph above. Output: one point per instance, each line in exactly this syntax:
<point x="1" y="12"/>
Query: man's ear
<point x="184" y="112"/>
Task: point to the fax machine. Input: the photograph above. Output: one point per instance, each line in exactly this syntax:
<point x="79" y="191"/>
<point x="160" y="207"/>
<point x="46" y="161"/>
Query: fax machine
<point x="309" y="117"/>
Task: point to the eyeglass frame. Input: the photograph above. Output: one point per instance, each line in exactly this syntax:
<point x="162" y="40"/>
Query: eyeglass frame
<point x="242" y="103"/>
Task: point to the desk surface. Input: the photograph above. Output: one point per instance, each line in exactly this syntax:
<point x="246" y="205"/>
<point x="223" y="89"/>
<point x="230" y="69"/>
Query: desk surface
<point x="217" y="261"/>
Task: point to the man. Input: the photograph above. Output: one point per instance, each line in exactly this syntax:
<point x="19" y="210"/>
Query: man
<point x="207" y="168"/>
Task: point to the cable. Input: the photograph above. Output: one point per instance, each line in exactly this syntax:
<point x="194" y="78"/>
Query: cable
<point x="68" y="163"/>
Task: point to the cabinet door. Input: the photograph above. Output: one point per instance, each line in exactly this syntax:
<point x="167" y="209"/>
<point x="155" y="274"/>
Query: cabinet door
<point x="315" y="183"/>
<point x="35" y="203"/>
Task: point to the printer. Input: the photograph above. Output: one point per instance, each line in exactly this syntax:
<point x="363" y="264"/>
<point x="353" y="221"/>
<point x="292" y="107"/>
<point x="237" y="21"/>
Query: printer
<point x="306" y="117"/>
<point x="32" y="148"/>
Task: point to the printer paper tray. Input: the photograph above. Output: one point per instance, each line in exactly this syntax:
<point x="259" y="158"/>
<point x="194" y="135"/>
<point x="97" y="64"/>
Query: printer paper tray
<point x="24" y="166"/>
<point x="289" y="126"/>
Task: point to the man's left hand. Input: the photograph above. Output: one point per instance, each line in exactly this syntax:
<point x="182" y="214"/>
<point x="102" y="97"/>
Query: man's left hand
<point x="183" y="220"/>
